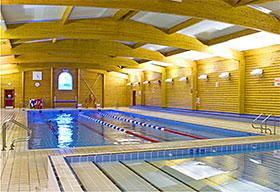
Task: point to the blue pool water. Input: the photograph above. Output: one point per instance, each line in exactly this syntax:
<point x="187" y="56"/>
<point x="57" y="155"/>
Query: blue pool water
<point x="71" y="128"/>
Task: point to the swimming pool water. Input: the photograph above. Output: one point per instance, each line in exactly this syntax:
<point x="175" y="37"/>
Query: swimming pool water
<point x="66" y="128"/>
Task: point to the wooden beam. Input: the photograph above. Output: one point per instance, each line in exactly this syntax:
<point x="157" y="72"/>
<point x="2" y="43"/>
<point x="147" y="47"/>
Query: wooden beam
<point x="231" y="36"/>
<point x="218" y="40"/>
<point x="183" y="25"/>
<point x="137" y="45"/>
<point x="194" y="86"/>
<point x="163" y="89"/>
<point x="93" y="59"/>
<point x="26" y="66"/>
<point x="215" y="10"/>
<point x="241" y="85"/>
<point x="23" y="86"/>
<point x="51" y="86"/>
<point x="104" y="29"/>
<point x="174" y="52"/>
<point x="67" y="14"/>
<point x="86" y="48"/>
<point x="79" y="85"/>
<point x="83" y="47"/>
<point x="249" y="2"/>
<point x="120" y="14"/>
<point x="104" y="76"/>
<point x="124" y="14"/>
<point x="3" y="21"/>
<point x="130" y="14"/>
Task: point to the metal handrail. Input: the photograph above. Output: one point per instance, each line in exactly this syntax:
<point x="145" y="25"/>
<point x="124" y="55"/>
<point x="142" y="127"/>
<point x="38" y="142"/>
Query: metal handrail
<point x="4" y="128"/>
<point x="252" y="124"/>
<point x="116" y="103"/>
<point x="23" y="104"/>
<point x="265" y="124"/>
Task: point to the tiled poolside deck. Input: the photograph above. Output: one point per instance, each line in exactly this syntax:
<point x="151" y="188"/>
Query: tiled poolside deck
<point x="26" y="170"/>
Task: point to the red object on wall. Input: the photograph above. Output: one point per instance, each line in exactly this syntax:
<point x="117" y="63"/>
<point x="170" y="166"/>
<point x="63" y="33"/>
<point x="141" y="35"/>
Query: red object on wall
<point x="9" y="98"/>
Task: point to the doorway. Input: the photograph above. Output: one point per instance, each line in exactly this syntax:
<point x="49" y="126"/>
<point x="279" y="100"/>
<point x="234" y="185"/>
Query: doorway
<point x="134" y="98"/>
<point x="9" y="98"/>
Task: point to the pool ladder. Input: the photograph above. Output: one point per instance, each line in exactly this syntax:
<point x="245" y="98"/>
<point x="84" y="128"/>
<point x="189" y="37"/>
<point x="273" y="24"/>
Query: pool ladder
<point x="115" y="104"/>
<point x="22" y="105"/>
<point x="263" y="124"/>
<point x="17" y="140"/>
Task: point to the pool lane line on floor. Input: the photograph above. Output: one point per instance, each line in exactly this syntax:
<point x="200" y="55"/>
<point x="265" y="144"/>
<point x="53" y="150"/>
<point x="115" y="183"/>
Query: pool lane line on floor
<point x="116" y="127"/>
<point x="149" y="125"/>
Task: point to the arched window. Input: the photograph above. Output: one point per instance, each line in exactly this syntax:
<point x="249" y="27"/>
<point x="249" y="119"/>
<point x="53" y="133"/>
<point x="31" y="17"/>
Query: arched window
<point x="65" y="81"/>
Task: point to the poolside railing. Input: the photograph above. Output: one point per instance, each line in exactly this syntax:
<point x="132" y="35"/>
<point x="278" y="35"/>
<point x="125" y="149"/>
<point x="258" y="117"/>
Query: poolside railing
<point x="4" y="130"/>
<point x="263" y="125"/>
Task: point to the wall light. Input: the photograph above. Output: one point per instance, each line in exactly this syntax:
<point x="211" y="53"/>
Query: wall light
<point x="257" y="72"/>
<point x="203" y="77"/>
<point x="184" y="79"/>
<point x="128" y="84"/>
<point x="257" y="161"/>
<point x="146" y="82"/>
<point x="170" y="80"/>
<point x="157" y="81"/>
<point x="225" y="75"/>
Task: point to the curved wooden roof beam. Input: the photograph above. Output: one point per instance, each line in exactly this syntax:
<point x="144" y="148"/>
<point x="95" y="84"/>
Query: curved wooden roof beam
<point x="216" y="10"/>
<point x="105" y="29"/>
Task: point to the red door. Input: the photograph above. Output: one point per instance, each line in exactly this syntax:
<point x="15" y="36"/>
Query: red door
<point x="9" y="98"/>
<point x="134" y="98"/>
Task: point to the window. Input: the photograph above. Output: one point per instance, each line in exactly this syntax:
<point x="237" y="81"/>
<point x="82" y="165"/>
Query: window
<point x="65" y="81"/>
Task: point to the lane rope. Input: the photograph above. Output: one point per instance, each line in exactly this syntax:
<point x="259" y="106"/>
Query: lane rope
<point x="149" y="125"/>
<point x="115" y="127"/>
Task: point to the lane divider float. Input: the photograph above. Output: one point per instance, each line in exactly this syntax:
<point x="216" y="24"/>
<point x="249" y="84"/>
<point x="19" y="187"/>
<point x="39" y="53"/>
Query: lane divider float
<point x="151" y="126"/>
<point x="115" y="127"/>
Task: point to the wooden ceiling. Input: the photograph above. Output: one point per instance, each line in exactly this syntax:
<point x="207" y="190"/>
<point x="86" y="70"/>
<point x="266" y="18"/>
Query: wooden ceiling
<point x="98" y="41"/>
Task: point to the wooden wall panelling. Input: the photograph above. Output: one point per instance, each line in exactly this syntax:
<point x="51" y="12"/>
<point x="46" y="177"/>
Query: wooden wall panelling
<point x="116" y="90"/>
<point x="153" y="91"/>
<point x="179" y="93"/>
<point x="90" y="77"/>
<point x="261" y="96"/>
<point x="43" y="91"/>
<point x="225" y="97"/>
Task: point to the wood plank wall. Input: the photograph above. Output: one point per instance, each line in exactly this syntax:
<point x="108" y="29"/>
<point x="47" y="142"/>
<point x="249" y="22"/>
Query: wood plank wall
<point x="225" y="97"/>
<point x="16" y="80"/>
<point x="179" y="93"/>
<point x="43" y="91"/>
<point x="152" y="92"/>
<point x="261" y="96"/>
<point x="65" y="95"/>
<point x="115" y="91"/>
<point x="90" y="76"/>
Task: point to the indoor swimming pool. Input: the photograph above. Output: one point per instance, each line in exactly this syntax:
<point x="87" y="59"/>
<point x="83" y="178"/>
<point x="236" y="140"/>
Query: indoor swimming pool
<point x="74" y="128"/>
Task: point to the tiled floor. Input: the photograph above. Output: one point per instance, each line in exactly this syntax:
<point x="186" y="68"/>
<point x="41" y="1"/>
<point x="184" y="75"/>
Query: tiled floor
<point x="26" y="170"/>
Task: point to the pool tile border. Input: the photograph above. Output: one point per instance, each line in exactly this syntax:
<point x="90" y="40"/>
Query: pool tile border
<point x="168" y="154"/>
